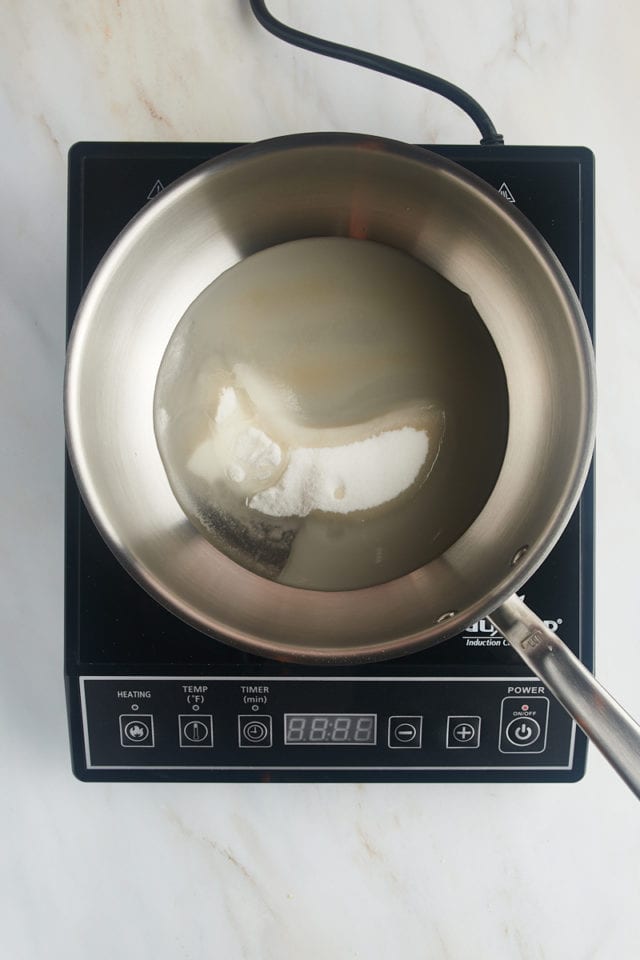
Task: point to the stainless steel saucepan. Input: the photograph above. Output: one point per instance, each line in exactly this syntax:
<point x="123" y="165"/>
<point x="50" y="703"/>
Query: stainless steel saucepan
<point x="307" y="186"/>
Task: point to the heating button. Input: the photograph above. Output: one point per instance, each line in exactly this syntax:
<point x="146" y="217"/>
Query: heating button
<point x="136" y="730"/>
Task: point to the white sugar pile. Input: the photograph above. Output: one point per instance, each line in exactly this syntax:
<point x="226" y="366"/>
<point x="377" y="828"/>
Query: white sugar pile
<point x="356" y="476"/>
<point x="283" y="468"/>
<point x="237" y="447"/>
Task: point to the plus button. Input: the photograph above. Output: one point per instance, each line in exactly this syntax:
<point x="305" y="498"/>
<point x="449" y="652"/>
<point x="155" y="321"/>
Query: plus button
<point x="463" y="732"/>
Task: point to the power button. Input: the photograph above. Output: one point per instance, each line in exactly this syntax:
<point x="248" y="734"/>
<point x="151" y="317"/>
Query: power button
<point x="522" y="732"/>
<point x="523" y="724"/>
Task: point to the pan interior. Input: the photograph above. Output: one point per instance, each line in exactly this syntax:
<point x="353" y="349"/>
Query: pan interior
<point x="331" y="413"/>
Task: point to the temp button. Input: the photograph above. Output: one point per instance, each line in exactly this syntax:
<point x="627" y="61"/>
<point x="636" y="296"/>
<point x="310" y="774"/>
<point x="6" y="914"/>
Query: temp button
<point x="195" y="730"/>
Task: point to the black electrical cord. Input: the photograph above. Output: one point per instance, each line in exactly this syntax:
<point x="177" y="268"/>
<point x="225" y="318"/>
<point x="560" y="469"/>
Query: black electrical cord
<point x="381" y="64"/>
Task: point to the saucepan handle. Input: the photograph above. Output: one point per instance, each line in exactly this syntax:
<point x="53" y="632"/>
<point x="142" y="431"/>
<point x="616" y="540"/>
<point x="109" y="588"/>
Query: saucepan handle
<point x="607" y="725"/>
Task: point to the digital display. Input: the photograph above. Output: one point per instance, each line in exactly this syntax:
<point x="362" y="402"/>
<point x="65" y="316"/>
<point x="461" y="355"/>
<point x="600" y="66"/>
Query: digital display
<point x="316" y="728"/>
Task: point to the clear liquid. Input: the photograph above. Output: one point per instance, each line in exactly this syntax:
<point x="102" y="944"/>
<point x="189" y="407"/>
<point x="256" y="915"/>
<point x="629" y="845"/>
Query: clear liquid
<point x="321" y="343"/>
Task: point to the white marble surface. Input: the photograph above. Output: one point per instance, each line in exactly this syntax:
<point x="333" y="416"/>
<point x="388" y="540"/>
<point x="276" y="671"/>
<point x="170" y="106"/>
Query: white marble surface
<point x="300" y="871"/>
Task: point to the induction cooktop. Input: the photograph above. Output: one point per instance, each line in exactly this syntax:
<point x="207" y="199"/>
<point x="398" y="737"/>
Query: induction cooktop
<point x="150" y="698"/>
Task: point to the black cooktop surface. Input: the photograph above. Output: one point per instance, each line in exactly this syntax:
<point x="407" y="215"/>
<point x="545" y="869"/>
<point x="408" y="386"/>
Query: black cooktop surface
<point x="115" y="630"/>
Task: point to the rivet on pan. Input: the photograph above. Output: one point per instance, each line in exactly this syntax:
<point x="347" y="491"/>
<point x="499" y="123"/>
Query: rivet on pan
<point x="519" y="554"/>
<point x="446" y="616"/>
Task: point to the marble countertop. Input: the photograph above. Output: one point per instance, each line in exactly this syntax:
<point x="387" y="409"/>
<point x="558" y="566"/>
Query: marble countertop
<point x="534" y="872"/>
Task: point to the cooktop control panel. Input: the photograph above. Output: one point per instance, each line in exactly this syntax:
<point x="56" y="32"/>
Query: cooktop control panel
<point x="322" y="723"/>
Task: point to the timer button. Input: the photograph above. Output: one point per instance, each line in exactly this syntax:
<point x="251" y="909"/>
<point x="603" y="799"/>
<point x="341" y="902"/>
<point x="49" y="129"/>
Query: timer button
<point x="405" y="731"/>
<point x="255" y="730"/>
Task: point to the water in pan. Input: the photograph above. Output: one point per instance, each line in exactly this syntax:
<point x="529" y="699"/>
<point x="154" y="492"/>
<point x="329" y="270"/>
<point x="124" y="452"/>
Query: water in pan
<point x="331" y="413"/>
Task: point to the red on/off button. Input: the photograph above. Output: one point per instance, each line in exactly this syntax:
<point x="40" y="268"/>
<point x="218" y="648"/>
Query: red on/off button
<point x="523" y="731"/>
<point x="523" y="724"/>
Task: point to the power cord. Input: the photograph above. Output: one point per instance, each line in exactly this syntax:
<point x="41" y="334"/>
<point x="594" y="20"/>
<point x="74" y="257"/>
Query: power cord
<point x="392" y="68"/>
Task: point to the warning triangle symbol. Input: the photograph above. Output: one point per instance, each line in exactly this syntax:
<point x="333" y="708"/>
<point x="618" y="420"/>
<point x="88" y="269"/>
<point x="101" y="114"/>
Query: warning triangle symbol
<point x="506" y="193"/>
<point x="157" y="188"/>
